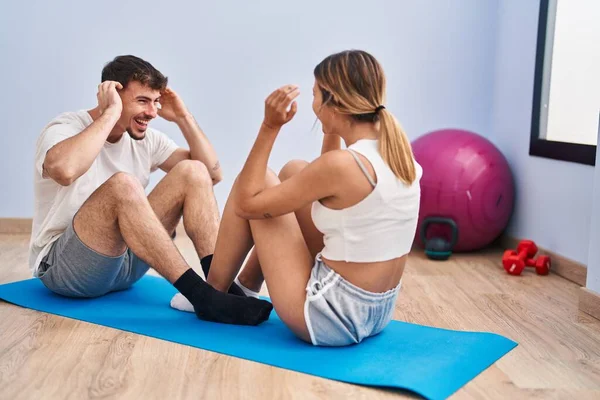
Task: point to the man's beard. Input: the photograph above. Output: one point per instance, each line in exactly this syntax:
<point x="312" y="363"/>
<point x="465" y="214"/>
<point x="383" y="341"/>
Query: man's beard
<point x="134" y="137"/>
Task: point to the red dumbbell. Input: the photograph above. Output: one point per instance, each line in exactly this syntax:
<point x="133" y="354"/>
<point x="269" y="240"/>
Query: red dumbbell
<point x="541" y="264"/>
<point x="514" y="261"/>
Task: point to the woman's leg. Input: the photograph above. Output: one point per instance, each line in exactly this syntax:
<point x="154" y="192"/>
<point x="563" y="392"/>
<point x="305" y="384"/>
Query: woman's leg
<point x="282" y="253"/>
<point x="312" y="236"/>
<point x="251" y="276"/>
<point x="234" y="241"/>
<point x="286" y="265"/>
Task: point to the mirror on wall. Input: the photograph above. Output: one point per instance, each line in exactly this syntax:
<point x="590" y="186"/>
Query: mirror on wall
<point x="566" y="102"/>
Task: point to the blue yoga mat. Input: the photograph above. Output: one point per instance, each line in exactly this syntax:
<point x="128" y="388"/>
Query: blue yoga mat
<point x="431" y="362"/>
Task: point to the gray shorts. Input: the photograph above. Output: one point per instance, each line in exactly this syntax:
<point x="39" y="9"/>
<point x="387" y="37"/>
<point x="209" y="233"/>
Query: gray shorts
<point x="338" y="313"/>
<point x="73" y="269"/>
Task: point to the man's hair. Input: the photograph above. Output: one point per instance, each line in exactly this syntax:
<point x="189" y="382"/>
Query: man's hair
<point x="124" y="69"/>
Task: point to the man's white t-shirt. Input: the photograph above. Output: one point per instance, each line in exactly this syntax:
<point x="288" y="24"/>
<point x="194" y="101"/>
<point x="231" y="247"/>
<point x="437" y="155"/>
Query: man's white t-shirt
<point x="56" y="205"/>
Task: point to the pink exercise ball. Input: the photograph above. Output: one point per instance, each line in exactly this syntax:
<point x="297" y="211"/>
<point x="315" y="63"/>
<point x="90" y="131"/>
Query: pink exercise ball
<point x="465" y="179"/>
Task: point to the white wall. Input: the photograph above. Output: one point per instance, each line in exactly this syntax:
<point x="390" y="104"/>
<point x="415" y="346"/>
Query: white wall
<point x="593" y="276"/>
<point x="225" y="57"/>
<point x="574" y="95"/>
<point x="554" y="198"/>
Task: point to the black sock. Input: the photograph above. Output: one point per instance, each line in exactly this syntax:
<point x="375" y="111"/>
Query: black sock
<point x="233" y="289"/>
<point x="212" y="305"/>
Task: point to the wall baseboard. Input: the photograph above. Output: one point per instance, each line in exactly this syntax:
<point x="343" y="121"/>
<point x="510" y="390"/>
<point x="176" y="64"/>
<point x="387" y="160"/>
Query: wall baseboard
<point x="562" y="266"/>
<point x="15" y="225"/>
<point x="589" y="302"/>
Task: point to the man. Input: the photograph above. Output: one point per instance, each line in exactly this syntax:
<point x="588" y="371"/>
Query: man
<point x="94" y="229"/>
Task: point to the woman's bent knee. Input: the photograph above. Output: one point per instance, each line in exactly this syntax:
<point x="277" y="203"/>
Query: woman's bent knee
<point x="292" y="168"/>
<point x="271" y="178"/>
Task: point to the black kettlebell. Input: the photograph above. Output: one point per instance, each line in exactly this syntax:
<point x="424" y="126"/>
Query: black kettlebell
<point x="439" y="248"/>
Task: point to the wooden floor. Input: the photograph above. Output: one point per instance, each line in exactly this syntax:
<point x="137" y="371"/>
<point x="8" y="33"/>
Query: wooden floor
<point x="48" y="357"/>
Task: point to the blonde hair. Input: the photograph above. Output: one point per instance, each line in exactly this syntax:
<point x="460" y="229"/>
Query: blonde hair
<point x="353" y="83"/>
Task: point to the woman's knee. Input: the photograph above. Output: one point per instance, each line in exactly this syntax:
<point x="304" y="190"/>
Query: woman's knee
<point x="292" y="168"/>
<point x="271" y="178"/>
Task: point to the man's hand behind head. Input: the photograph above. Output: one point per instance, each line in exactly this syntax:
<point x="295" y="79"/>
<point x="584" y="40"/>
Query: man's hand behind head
<point x="108" y="97"/>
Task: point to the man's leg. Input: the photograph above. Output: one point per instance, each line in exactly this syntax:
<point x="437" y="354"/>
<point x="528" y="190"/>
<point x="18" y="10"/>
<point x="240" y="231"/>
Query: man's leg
<point x="118" y="215"/>
<point x="187" y="191"/>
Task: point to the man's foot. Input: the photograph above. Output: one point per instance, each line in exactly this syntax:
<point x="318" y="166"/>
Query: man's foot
<point x="211" y="305"/>
<point x="181" y="303"/>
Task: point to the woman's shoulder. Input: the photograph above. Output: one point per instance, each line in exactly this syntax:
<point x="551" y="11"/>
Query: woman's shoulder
<point x="338" y="159"/>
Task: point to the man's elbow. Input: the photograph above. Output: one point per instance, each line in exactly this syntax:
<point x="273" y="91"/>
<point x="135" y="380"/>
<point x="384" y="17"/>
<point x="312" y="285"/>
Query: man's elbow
<point x="60" y="173"/>
<point x="63" y="177"/>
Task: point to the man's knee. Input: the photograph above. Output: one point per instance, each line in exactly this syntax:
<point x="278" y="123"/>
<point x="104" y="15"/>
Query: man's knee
<point x="125" y="186"/>
<point x="192" y="172"/>
<point x="292" y="168"/>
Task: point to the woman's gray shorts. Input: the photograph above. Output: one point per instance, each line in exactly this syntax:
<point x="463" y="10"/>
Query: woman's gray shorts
<point x="338" y="313"/>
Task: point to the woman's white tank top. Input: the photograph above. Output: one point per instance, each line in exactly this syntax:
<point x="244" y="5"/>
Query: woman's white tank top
<point x="380" y="227"/>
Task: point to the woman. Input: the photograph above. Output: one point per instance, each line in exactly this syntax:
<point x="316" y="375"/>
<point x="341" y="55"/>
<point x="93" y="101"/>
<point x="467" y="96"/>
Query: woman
<point x="330" y="237"/>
